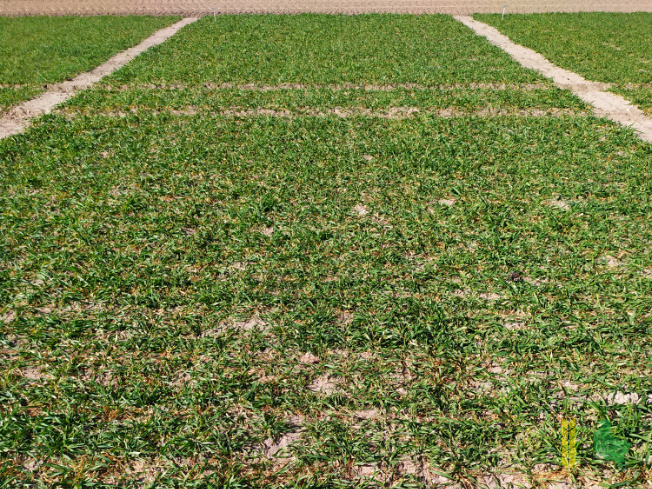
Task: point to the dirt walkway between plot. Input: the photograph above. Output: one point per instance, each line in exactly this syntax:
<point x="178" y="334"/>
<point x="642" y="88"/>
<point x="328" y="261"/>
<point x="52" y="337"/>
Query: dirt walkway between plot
<point x="203" y="7"/>
<point x="391" y="113"/>
<point x="253" y="87"/>
<point x="613" y="107"/>
<point x="18" y="118"/>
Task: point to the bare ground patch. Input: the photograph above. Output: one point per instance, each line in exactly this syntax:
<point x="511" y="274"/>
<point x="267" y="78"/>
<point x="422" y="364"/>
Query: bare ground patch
<point x="203" y="7"/>
<point x="251" y="324"/>
<point x="325" y="385"/>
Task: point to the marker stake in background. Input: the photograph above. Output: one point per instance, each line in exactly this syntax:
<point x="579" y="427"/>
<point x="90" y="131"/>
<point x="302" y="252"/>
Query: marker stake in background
<point x="503" y="16"/>
<point x="214" y="15"/>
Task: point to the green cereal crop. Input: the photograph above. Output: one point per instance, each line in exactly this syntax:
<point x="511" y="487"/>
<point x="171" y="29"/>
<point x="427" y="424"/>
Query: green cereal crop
<point x="458" y="280"/>
<point x="427" y="49"/>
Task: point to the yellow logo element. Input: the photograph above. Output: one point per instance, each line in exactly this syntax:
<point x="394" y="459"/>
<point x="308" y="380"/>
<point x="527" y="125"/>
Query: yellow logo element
<point x="568" y="443"/>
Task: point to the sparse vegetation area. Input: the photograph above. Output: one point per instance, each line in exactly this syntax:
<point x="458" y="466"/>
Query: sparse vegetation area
<point x="392" y="258"/>
<point x="611" y="48"/>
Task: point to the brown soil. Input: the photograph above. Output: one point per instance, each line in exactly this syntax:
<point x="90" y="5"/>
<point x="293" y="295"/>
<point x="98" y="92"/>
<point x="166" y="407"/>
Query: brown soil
<point x="392" y="113"/>
<point x="202" y="7"/>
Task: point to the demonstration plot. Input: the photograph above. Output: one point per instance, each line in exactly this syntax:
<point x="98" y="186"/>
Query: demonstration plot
<point x="383" y="293"/>
<point x="611" y="48"/>
<point x="36" y="51"/>
<point x="323" y="281"/>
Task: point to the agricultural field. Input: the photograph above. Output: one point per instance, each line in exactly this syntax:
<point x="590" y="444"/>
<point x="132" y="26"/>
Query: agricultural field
<point x="612" y="48"/>
<point x="323" y="251"/>
<point x="36" y="51"/>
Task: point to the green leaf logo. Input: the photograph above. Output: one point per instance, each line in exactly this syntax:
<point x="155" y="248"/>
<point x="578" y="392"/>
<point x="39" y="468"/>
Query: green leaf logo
<point x="609" y="447"/>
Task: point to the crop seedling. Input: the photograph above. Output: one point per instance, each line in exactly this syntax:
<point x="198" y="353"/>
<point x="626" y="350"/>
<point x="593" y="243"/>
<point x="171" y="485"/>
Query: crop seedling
<point x="318" y="251"/>
<point x="36" y="51"/>
<point x="612" y="48"/>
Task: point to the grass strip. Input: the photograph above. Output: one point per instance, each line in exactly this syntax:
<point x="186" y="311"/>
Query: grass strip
<point x="311" y="48"/>
<point x="10" y="96"/>
<point x="324" y="98"/>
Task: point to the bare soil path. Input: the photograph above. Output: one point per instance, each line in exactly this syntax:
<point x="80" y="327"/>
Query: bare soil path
<point x="202" y="7"/>
<point x="18" y="118"/>
<point x="614" y="107"/>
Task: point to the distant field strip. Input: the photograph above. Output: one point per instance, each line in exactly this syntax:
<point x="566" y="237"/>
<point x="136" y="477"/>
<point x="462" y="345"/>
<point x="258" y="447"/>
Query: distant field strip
<point x="322" y="251"/>
<point x="18" y="118"/>
<point x="289" y="66"/>
<point x="324" y="50"/>
<point x="605" y="47"/>
<point x="313" y="64"/>
<point x="612" y="106"/>
<point x="38" y="51"/>
<point x="334" y="87"/>
<point x="318" y="98"/>
<point x="348" y="112"/>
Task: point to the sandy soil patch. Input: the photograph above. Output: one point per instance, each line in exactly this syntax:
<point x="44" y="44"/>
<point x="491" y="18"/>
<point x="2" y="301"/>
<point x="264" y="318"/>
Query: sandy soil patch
<point x="366" y="414"/>
<point x="324" y="385"/>
<point x="619" y="397"/>
<point x="360" y="210"/>
<point x="280" y="449"/>
<point x="309" y="359"/>
<point x="203" y="7"/>
<point x="8" y="317"/>
<point x="252" y="324"/>
<point x="268" y="231"/>
<point x="559" y="204"/>
<point x="34" y="373"/>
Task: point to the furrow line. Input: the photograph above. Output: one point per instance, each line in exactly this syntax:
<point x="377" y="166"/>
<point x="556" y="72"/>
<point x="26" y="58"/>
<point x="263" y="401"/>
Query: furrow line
<point x="341" y="112"/>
